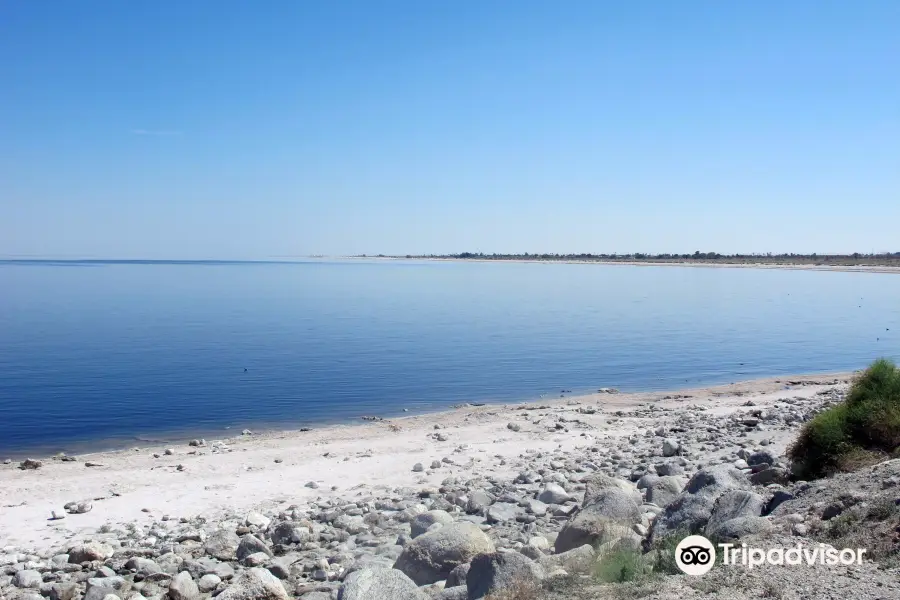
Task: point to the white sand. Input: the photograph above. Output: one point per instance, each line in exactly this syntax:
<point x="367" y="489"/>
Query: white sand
<point x="354" y="458"/>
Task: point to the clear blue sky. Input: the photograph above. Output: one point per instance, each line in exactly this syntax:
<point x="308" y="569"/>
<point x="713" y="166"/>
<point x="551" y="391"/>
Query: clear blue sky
<point x="241" y="129"/>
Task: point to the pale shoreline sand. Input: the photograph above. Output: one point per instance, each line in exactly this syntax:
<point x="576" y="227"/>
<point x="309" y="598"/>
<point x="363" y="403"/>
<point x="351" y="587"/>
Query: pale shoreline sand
<point x="241" y="474"/>
<point x="702" y="265"/>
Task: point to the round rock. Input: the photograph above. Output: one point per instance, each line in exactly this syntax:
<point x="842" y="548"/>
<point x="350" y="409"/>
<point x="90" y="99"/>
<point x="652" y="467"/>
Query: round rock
<point x="499" y="573"/>
<point x="379" y="584"/>
<point x="430" y="557"/>
<point x="421" y="523"/>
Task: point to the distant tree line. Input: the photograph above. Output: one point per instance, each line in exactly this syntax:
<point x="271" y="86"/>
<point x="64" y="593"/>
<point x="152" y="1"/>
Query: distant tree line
<point x="856" y="257"/>
<point x="644" y="256"/>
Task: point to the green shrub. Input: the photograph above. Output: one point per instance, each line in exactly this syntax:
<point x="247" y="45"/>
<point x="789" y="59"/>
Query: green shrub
<point x="664" y="562"/>
<point x="873" y="407"/>
<point x="882" y="510"/>
<point x="842" y="525"/>
<point x="821" y="442"/>
<point x="621" y="565"/>
<point x="865" y="425"/>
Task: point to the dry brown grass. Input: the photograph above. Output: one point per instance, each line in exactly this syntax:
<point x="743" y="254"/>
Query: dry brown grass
<point x="771" y="590"/>
<point x="875" y="529"/>
<point x="634" y="590"/>
<point x="520" y="590"/>
<point x="858" y="458"/>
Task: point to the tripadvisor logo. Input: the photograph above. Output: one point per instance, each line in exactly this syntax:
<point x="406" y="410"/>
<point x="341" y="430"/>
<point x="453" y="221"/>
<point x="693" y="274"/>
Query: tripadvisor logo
<point x="696" y="555"/>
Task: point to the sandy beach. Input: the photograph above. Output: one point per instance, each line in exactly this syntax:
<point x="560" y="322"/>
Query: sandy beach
<point x="456" y="506"/>
<point x="269" y="472"/>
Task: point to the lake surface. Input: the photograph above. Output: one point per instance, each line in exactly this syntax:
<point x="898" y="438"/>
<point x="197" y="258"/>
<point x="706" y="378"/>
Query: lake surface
<point x="97" y="355"/>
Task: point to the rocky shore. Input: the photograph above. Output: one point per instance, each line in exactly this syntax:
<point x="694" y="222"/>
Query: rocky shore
<point x="501" y="501"/>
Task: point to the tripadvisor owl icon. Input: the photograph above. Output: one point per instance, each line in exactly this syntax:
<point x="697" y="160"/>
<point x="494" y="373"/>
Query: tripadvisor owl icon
<point x="695" y="555"/>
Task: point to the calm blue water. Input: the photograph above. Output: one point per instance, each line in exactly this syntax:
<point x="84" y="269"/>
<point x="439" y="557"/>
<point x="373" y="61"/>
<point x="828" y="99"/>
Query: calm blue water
<point x="98" y="355"/>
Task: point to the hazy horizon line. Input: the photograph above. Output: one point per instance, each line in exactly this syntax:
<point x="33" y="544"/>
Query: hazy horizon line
<point x="463" y="255"/>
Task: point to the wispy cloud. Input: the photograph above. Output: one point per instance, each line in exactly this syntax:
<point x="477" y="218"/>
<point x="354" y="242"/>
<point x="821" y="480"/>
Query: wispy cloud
<point x="154" y="132"/>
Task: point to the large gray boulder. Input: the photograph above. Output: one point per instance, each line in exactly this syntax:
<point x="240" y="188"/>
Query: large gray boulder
<point x="576" y="560"/>
<point x="379" y="584"/>
<point x="317" y="596"/>
<point x="222" y="544"/>
<point x="615" y="504"/>
<point x="257" y="559"/>
<point x="690" y="512"/>
<point x="143" y="566"/>
<point x="609" y="517"/>
<point x="771" y="474"/>
<point x="647" y="480"/>
<point x="170" y="563"/>
<point x="27" y="579"/>
<point x="591" y="529"/>
<point x="285" y="533"/>
<point x="761" y="457"/>
<point x="255" y="584"/>
<point x="251" y="544"/>
<point x="531" y="552"/>
<point x="733" y="504"/>
<point x="671" y="447"/>
<point x="280" y="567"/>
<point x="554" y="493"/>
<point x="502" y="572"/>
<point x="777" y="499"/>
<point x="59" y="561"/>
<point x="209" y="582"/>
<point x="663" y="491"/>
<point x="182" y="587"/>
<point x="454" y="593"/>
<point x="458" y="576"/>
<point x="63" y="590"/>
<point x="478" y="502"/>
<point x="536" y="507"/>
<point x="422" y="522"/>
<point x="669" y="468"/>
<point x="206" y="566"/>
<point x="734" y="529"/>
<point x="99" y="588"/>
<point x="596" y="484"/>
<point x="500" y="512"/>
<point x="716" y="479"/>
<point x="430" y="557"/>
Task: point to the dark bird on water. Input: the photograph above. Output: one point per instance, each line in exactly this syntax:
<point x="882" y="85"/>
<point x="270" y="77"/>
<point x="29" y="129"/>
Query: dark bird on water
<point x="245" y="369"/>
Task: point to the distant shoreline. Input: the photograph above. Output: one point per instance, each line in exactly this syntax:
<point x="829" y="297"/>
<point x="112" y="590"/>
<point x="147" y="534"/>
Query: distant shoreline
<point x="863" y="266"/>
<point x="801" y="266"/>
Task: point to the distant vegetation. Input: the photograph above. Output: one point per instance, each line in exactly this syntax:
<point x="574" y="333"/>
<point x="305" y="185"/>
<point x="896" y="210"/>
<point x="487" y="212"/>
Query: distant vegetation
<point x="860" y="430"/>
<point x="855" y="259"/>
